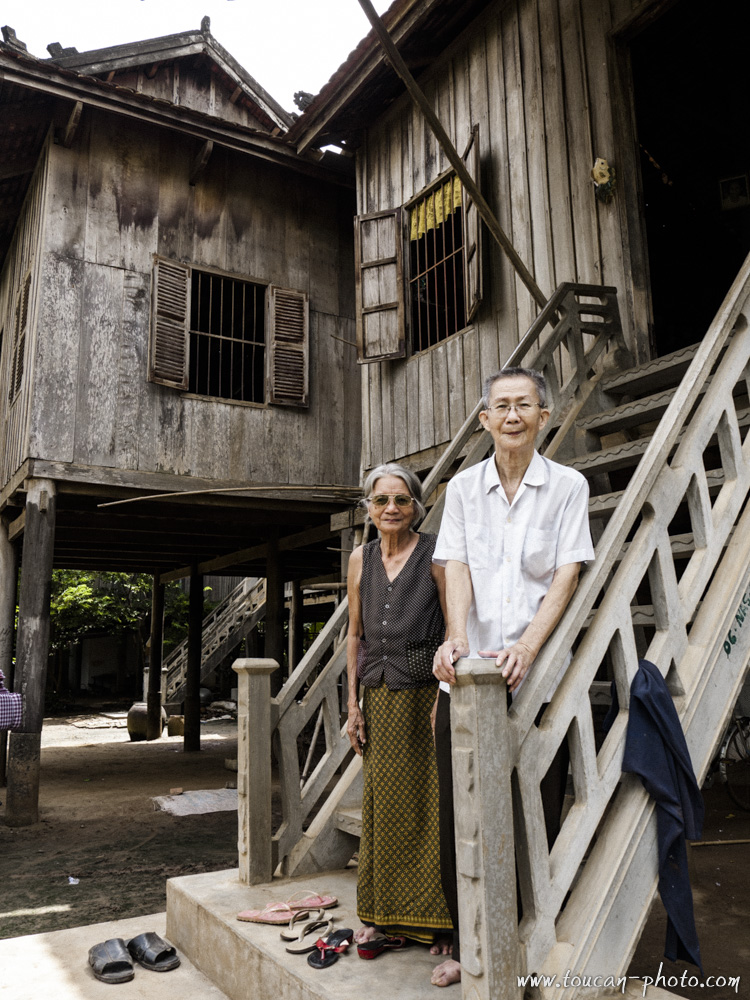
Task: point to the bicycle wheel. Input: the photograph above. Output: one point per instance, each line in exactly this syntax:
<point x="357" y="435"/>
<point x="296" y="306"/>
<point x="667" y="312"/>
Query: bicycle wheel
<point x="735" y="763"/>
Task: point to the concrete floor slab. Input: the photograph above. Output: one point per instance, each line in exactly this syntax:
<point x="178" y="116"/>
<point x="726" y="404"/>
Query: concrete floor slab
<point x="55" y="966"/>
<point x="202" y="922"/>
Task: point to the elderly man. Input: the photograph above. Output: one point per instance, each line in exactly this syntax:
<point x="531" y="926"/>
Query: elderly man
<point x="513" y="536"/>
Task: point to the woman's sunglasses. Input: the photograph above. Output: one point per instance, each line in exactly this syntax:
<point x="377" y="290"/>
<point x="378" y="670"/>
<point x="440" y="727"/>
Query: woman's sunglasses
<point x="400" y="499"/>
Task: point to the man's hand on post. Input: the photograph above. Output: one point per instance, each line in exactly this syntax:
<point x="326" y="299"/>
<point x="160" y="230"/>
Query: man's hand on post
<point x="446" y="655"/>
<point x="515" y="662"/>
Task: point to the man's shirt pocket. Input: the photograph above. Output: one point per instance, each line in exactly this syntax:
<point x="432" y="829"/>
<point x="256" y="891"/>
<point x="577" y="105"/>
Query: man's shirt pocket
<point x="539" y="553"/>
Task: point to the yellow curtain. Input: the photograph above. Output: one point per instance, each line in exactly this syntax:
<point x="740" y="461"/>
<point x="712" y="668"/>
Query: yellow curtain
<point x="433" y="210"/>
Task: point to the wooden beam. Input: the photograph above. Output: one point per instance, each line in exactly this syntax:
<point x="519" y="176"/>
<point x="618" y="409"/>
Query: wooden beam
<point x="201" y="160"/>
<point x="32" y="651"/>
<point x="235" y="94"/>
<point x="400" y="67"/>
<point x="152" y="70"/>
<point x="153" y="696"/>
<point x="71" y="128"/>
<point x="298" y="540"/>
<point x="15" y="528"/>
<point x="68" y="474"/>
<point x="274" y="617"/>
<point x="192" y="736"/>
<point x="8" y="596"/>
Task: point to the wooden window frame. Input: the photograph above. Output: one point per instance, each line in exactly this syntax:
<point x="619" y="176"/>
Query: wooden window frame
<point x="287" y="332"/>
<point x="393" y="310"/>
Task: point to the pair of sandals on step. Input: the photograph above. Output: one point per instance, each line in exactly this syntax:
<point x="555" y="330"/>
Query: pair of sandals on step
<point x="112" y="961"/>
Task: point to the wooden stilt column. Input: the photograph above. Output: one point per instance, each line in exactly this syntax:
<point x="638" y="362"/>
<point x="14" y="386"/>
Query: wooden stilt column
<point x="296" y="623"/>
<point x="8" y="587"/>
<point x="192" y="740"/>
<point x="274" y="629"/>
<point x="32" y="649"/>
<point x="153" y="696"/>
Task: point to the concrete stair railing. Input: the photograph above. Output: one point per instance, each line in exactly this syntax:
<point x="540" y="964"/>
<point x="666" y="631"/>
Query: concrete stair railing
<point x="671" y="581"/>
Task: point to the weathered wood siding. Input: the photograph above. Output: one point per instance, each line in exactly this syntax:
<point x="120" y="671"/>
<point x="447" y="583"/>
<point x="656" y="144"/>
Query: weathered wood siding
<point x="199" y="89"/>
<point x="23" y="260"/>
<point x="117" y="197"/>
<point x="535" y="76"/>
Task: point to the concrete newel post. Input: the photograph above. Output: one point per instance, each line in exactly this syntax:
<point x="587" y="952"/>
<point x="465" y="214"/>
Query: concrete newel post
<point x="485" y="859"/>
<point x="254" y="769"/>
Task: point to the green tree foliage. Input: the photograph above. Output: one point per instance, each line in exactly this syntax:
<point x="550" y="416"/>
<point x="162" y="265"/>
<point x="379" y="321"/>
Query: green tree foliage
<point x="112" y="604"/>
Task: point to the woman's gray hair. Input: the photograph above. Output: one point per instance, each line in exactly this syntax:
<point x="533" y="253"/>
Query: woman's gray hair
<point x="536" y="377"/>
<point x="411" y="479"/>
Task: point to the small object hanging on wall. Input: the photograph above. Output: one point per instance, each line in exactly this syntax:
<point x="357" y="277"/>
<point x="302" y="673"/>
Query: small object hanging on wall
<point x="604" y="178"/>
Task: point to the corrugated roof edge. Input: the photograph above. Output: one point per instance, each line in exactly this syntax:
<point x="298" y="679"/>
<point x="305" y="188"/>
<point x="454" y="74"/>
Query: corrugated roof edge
<point x="390" y="18"/>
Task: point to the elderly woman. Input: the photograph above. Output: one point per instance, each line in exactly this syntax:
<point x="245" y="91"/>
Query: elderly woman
<point x="395" y="624"/>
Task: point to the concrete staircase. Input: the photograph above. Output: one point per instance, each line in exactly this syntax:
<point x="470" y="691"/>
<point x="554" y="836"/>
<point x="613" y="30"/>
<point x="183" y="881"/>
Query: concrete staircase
<point x="665" y="448"/>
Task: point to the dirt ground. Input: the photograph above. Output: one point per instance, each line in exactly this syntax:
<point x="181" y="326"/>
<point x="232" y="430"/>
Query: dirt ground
<point x="99" y="825"/>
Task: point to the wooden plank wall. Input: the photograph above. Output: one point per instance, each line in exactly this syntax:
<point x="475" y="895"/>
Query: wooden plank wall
<point x="534" y="75"/>
<point x="117" y="197"/>
<point x="23" y="255"/>
<point x="199" y="89"/>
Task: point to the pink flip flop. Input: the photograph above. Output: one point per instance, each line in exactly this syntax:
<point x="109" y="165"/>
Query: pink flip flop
<point x="281" y="913"/>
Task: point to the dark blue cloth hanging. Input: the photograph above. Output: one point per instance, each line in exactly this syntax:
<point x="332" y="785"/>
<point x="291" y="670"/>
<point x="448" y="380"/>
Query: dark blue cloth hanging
<point x="655" y="750"/>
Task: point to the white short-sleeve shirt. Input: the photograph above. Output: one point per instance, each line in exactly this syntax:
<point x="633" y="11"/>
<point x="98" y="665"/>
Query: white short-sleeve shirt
<point x="513" y="550"/>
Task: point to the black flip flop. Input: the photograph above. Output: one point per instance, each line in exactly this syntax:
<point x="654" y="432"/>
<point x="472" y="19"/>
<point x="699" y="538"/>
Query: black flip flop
<point x="153" y="952"/>
<point x="377" y="945"/>
<point x="328" y="949"/>
<point x="111" y="962"/>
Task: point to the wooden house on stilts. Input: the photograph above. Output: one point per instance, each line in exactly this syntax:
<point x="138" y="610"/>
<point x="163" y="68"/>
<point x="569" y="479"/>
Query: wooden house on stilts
<point x="176" y="309"/>
<point x="630" y="290"/>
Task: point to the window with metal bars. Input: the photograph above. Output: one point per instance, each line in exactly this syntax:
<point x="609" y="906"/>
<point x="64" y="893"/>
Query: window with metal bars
<point x="419" y="268"/>
<point x="436" y="266"/>
<point x="227" y="338"/>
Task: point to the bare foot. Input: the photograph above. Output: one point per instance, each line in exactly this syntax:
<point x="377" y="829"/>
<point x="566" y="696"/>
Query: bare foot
<point x="365" y="933"/>
<point x="446" y="973"/>
<point x="442" y="946"/>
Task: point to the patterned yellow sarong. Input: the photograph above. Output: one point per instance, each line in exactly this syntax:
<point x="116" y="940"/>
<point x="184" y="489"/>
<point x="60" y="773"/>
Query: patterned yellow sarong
<point x="398" y="887"/>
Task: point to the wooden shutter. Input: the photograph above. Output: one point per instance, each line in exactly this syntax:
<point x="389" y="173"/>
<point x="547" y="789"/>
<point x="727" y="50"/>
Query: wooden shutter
<point x="19" y="338"/>
<point x="289" y="333"/>
<point x="170" y="314"/>
<point x="472" y="232"/>
<point x="378" y="243"/>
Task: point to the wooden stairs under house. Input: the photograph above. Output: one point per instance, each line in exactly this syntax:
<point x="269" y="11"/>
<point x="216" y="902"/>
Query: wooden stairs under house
<point x="665" y="448"/>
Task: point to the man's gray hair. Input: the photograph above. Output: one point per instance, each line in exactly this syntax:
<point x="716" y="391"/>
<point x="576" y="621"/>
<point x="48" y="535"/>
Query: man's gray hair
<point x="411" y="479"/>
<point x="536" y="377"/>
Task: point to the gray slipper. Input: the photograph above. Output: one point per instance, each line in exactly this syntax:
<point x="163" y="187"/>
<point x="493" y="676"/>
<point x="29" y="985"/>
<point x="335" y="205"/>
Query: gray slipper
<point x="153" y="952"/>
<point x="111" y="962"/>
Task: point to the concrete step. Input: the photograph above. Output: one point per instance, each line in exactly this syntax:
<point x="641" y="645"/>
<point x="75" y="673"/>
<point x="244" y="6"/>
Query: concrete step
<point x="627" y="415"/>
<point x="249" y="960"/>
<point x="618" y="456"/>
<point x="350" y="821"/>
<point x="604" y="504"/>
<point x="55" y="965"/>
<point x="660" y="373"/>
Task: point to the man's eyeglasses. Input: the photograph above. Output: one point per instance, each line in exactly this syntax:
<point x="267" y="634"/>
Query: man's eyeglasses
<point x="522" y="409"/>
<point x="400" y="499"/>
